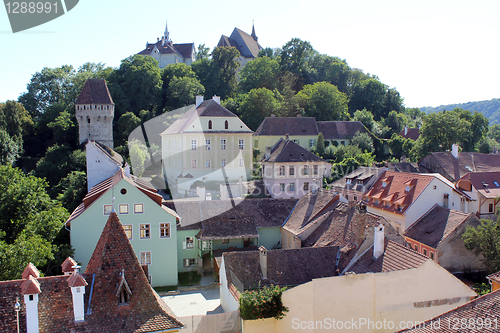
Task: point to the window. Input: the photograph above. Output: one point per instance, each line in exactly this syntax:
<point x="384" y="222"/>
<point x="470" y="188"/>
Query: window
<point x="208" y="163"/>
<point x="193" y="164"/>
<point x="490" y="208"/>
<point x="375" y="201"/>
<point x="209" y="124"/>
<point x="123" y="191"/>
<point x="138" y="208"/>
<point x="342" y="143"/>
<point x="226" y="125"/>
<point x="306" y="170"/>
<point x="123" y="209"/>
<point x="207" y="144"/>
<point x="189" y="243"/>
<point x="282" y="187"/>
<point x="193" y="144"/>
<point x="407" y="188"/>
<point x="425" y="252"/>
<point x="190" y="262"/>
<point x="291" y="171"/>
<point x="107" y="209"/>
<point x="225" y="241"/>
<point x="145" y="257"/>
<point x="241" y="144"/>
<point x="315" y="169"/>
<point x="282" y="170"/>
<point x="241" y="162"/>
<point x="128" y="230"/>
<point x="206" y="245"/>
<point x="432" y="255"/>
<point x="311" y="143"/>
<point x="223" y="162"/>
<point x="145" y="231"/>
<point x="355" y="198"/>
<point x="164" y="230"/>
<point x="434" y="187"/>
<point x="223" y="144"/>
<point x="384" y="184"/>
<point x="306" y="186"/>
<point x="292" y="187"/>
<point x="445" y="200"/>
<point x="416" y="247"/>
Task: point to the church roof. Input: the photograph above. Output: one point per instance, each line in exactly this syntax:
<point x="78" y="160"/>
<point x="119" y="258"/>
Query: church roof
<point x="95" y="91"/>
<point x="246" y="44"/>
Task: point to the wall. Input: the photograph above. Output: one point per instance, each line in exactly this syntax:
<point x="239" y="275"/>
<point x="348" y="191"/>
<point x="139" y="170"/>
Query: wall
<point x="99" y="166"/>
<point x="183" y="253"/>
<point x="87" y="228"/>
<point x="100" y="127"/>
<point x="408" y="295"/>
<point x="237" y="243"/>
<point x="269" y="237"/>
<point x="227" y="300"/>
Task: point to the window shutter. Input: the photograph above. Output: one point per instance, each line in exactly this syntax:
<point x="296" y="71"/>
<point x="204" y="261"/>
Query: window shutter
<point x="184" y="246"/>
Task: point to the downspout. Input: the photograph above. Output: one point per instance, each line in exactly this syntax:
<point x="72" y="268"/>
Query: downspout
<point x="89" y="310"/>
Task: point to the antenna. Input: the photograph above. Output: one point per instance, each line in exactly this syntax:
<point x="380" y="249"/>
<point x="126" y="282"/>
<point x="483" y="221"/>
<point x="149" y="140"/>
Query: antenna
<point x="113" y="200"/>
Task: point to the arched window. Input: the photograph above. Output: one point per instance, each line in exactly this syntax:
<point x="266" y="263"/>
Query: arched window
<point x="226" y="125"/>
<point x="88" y="120"/>
<point x="209" y="124"/>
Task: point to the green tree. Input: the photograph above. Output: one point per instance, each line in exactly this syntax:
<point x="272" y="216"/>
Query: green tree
<point x="15" y="120"/>
<point x="365" y="117"/>
<point x="400" y="146"/>
<point x="259" y="73"/>
<point x="126" y="124"/>
<point x="64" y="129"/>
<point x="10" y="149"/>
<point x="182" y="91"/>
<point x="72" y="189"/>
<point x="494" y="132"/>
<point x="395" y="122"/>
<point x="324" y="101"/>
<point x="320" y="145"/>
<point x="257" y="105"/>
<point x="225" y="63"/>
<point x="29" y="222"/>
<point x="369" y="94"/>
<point x="296" y="57"/>
<point x="263" y="303"/>
<point x="484" y="240"/>
<point x="364" y="141"/>
<point x="203" y="52"/>
<point x="138" y="157"/>
<point x="441" y="130"/>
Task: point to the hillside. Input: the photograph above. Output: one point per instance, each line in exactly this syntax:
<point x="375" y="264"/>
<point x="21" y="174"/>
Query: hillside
<point x="490" y="109"/>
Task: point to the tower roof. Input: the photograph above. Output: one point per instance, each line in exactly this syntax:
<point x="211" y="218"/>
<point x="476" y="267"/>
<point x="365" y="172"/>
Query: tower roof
<point x="95" y="91"/>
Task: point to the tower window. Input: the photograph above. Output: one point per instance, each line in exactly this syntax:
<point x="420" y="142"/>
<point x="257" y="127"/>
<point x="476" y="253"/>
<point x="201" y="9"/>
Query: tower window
<point x="88" y="120"/>
<point x="209" y="124"/>
<point x="226" y="125"/>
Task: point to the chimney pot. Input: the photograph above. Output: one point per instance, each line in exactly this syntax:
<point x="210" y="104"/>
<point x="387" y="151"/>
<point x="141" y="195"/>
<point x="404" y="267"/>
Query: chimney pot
<point x="406" y="130"/>
<point x="217" y="99"/>
<point x="263" y="261"/>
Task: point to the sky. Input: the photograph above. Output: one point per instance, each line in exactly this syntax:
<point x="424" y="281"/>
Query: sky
<point x="434" y="52"/>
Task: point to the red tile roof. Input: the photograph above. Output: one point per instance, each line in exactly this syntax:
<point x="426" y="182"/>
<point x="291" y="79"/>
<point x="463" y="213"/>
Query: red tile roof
<point x="396" y="257"/>
<point x="288" y="125"/>
<point x="67" y="265"/>
<point x="30" y="270"/>
<point x="94" y="91"/>
<point x="486" y="183"/>
<point x="494" y="277"/>
<point x="30" y="286"/>
<point x="340" y="130"/>
<point x="413" y="133"/>
<point x="479" y="315"/>
<point x="395" y="190"/>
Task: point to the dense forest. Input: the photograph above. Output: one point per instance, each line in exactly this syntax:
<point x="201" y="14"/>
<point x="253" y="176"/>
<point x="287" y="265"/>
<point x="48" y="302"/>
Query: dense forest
<point x="42" y="171"/>
<point x="490" y="109"/>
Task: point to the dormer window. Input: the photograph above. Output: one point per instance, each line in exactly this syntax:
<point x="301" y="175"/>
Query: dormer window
<point x="407" y="188"/>
<point x="123" y="291"/>
<point x="348" y="181"/>
<point x="209" y="124"/>
<point x="375" y="201"/>
<point x="384" y="183"/>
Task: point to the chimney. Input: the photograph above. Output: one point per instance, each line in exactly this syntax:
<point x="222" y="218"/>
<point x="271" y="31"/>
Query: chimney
<point x="378" y="241"/>
<point x="127" y="170"/>
<point x="268" y="152"/>
<point x="77" y="284"/>
<point x="199" y="100"/>
<point x="454" y="150"/>
<point x="286" y="136"/>
<point x="263" y="261"/>
<point x="406" y="130"/>
<point x="217" y="99"/>
<point x="30" y="290"/>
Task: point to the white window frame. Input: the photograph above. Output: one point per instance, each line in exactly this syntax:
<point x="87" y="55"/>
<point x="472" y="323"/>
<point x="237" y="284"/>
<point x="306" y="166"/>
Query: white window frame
<point x="208" y="163"/>
<point x="223" y="162"/>
<point x="193" y="144"/>
<point x="189" y="262"/>
<point x="141" y="229"/>
<point x="194" y="164"/>
<point x="139" y="205"/>
<point x="282" y="170"/>
<point x="315" y="169"/>
<point x="223" y="144"/>
<point x="291" y="170"/>
<point x="241" y="144"/>
<point x="165" y="227"/>
<point x="123" y="206"/>
<point x="305" y="171"/>
<point x="291" y="187"/>
<point x="311" y="143"/>
<point x="110" y="207"/>
<point x="128" y="227"/>
<point x="144" y="258"/>
<point x="188" y="243"/>
<point x="282" y="187"/>
<point x="241" y="162"/>
<point x="306" y="186"/>
<point x="208" y="143"/>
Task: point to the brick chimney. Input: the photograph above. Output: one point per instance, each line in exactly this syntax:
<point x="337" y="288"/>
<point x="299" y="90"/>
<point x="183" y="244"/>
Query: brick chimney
<point x="263" y="261"/>
<point x="268" y="152"/>
<point x="77" y="284"/>
<point x="378" y="241"/>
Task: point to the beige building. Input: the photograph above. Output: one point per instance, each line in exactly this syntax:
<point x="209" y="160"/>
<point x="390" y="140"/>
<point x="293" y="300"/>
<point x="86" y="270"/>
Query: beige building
<point x="290" y="171"/>
<point x="208" y="145"/>
<point x="484" y="190"/>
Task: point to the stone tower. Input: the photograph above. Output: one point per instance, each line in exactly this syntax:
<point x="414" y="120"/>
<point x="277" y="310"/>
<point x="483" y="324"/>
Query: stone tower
<point x="94" y="109"/>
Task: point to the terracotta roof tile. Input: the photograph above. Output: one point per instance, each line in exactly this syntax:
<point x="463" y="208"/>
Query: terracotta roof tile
<point x="396" y="257"/>
<point x="481" y="313"/>
<point x="288" y="151"/>
<point x="494" y="277"/>
<point x="77" y="280"/>
<point x="412" y="133"/>
<point x="67" y="265"/>
<point x="437" y="224"/>
<point x="94" y="91"/>
<point x="486" y="183"/>
<point x="30" y="286"/>
<point x="30" y="270"/>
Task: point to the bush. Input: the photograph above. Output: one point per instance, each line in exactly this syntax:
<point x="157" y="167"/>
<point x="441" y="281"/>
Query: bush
<point x="263" y="303"/>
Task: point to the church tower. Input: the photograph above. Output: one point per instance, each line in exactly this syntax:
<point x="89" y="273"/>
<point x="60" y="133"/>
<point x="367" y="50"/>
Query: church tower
<point x="95" y="111"/>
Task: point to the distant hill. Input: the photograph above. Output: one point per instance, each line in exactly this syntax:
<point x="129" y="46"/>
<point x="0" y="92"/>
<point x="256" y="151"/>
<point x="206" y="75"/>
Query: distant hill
<point x="490" y="109"/>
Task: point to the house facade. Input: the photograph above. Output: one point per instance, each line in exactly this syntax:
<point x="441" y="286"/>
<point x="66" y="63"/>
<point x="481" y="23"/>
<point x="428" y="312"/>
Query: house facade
<point x="150" y="227"/>
<point x="354" y="184"/>
<point x="208" y="144"/>
<point x="484" y="190"/>
<point x="290" y="171"/>
<point x="402" y="198"/>
<point x="167" y="53"/>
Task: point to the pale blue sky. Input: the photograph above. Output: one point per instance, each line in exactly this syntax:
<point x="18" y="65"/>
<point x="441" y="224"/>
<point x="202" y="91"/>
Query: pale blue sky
<point x="433" y="52"/>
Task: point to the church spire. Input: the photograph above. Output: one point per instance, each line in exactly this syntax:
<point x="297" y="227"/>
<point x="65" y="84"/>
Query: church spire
<point x="253" y="32"/>
<point x="166" y="34"/>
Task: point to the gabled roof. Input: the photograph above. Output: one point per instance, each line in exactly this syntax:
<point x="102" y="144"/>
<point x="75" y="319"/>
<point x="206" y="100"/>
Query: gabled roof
<point x="362" y="175"/>
<point x="284" y="267"/>
<point x="396" y="257"/>
<point x="185" y="50"/>
<point x="475" y="311"/>
<point x="108" y="152"/>
<point x="146" y="312"/>
<point x="494" y="277"/>
<point x="285" y="151"/>
<point x="280" y="126"/>
<point x="395" y="190"/>
<point x="412" y="133"/>
<point x="209" y="108"/>
<point x="94" y="91"/>
<point x="108" y="184"/>
<point x="225" y="219"/>
<point x="243" y="42"/>
<point x="455" y="168"/>
<point x="409" y="167"/>
<point x="437" y="224"/>
<point x="486" y="183"/>
<point x="340" y="130"/>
